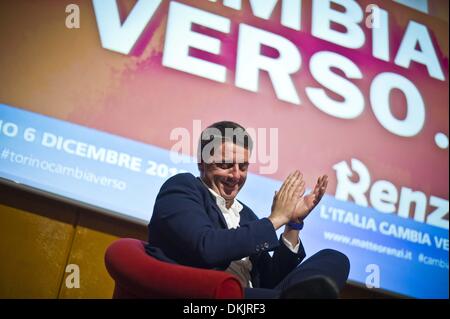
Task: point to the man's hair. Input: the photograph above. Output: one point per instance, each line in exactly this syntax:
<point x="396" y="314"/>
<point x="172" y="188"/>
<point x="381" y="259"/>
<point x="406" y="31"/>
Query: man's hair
<point x="216" y="134"/>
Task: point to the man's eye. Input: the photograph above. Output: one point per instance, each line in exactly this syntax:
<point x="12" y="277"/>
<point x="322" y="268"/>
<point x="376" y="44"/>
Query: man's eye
<point x="225" y="165"/>
<point x="243" y="166"/>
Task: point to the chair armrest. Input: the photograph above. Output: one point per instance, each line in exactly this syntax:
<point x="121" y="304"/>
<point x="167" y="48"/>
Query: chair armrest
<point x="142" y="276"/>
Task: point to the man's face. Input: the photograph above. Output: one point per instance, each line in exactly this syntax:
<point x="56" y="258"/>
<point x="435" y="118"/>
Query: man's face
<point x="228" y="170"/>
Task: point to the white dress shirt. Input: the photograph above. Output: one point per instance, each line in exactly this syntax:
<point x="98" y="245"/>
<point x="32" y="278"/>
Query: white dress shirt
<point x="241" y="268"/>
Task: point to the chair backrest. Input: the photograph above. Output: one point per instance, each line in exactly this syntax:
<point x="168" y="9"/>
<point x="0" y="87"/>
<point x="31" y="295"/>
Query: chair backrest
<point x="138" y="275"/>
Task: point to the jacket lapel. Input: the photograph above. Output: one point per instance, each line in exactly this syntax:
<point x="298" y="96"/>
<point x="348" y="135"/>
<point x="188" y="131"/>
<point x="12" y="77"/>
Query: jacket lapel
<point x="216" y="208"/>
<point x="244" y="216"/>
<point x="212" y="205"/>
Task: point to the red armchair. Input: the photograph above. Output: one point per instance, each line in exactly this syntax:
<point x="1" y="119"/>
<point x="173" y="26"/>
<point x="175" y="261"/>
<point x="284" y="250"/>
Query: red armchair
<point x="138" y="275"/>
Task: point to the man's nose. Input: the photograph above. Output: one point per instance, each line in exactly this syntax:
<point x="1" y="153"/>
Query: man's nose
<point x="236" y="174"/>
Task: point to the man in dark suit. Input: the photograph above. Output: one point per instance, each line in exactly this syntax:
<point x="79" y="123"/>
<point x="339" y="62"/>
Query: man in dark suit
<point x="198" y="222"/>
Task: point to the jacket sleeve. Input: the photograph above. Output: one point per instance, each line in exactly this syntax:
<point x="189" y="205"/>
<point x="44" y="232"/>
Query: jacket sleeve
<point x="181" y="219"/>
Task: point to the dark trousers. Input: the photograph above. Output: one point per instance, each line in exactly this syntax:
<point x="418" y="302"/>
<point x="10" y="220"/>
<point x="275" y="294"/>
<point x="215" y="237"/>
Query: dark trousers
<point x="328" y="262"/>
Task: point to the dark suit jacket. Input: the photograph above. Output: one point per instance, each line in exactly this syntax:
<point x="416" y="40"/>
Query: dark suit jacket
<point x="188" y="228"/>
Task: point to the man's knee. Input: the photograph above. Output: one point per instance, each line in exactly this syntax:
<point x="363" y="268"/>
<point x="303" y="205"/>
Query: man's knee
<point x="337" y="258"/>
